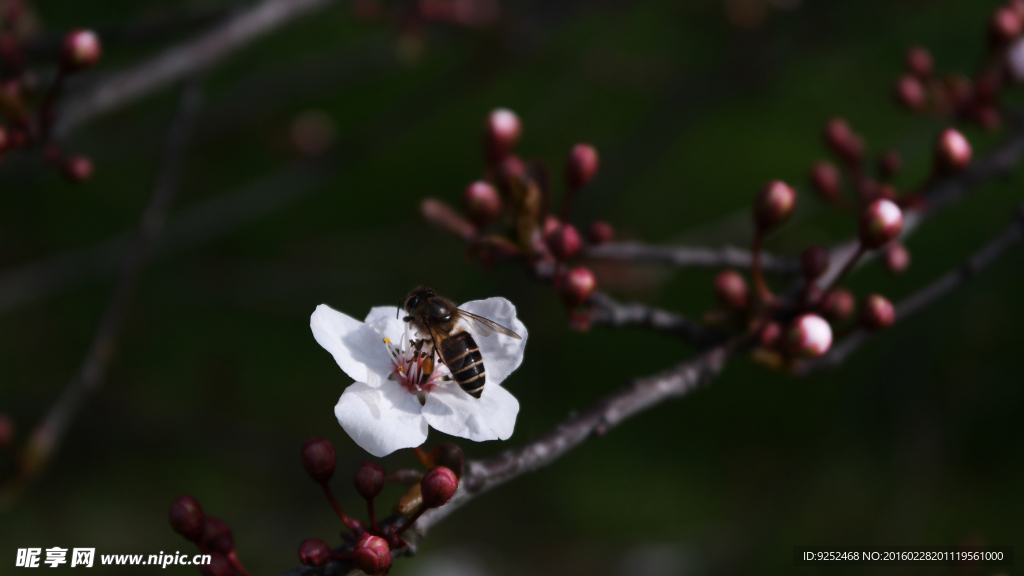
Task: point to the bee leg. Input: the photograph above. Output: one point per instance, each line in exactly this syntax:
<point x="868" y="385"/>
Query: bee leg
<point x="407" y="319"/>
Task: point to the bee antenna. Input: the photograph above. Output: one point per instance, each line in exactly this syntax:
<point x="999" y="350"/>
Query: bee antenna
<point x="401" y="304"/>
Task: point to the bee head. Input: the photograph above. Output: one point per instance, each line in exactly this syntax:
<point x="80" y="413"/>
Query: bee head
<point x="416" y="297"/>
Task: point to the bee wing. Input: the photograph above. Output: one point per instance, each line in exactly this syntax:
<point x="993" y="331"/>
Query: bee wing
<point x="485" y="327"/>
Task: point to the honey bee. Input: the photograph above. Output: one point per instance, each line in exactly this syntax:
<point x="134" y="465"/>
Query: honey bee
<point x="440" y="318"/>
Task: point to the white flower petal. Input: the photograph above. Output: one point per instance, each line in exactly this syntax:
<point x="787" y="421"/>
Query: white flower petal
<point x="501" y="354"/>
<point x="383" y="419"/>
<point x="491" y="417"/>
<point x="356" y="347"/>
<point x="384" y="319"/>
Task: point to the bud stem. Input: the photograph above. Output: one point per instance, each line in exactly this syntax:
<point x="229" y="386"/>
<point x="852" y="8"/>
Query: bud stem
<point x="233" y="558"/>
<point x="373" y="517"/>
<point x="424" y="457"/>
<point x="412" y="520"/>
<point x="337" y="510"/>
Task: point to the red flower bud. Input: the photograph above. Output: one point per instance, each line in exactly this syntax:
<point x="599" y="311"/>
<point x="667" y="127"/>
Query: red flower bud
<point x="372" y="555"/>
<point x="217" y="536"/>
<point x="314" y="552"/>
<point x="843" y="141"/>
<point x="889" y="164"/>
<point x="501" y="132"/>
<point x="449" y="455"/>
<point x="881" y="221"/>
<point x="1005" y="26"/>
<point x="910" y="93"/>
<point x="837" y="304"/>
<point x="564" y="241"/>
<point x="581" y="166"/>
<point x="771" y="335"/>
<point x="809" y="336"/>
<point x="825" y="180"/>
<point x="877" y="313"/>
<point x="919" y="62"/>
<point x="81" y="50"/>
<point x="952" y="151"/>
<point x="438" y="486"/>
<point x="576" y="285"/>
<point x="510" y="167"/>
<point x="186" y="518"/>
<point x="814" y="262"/>
<point x="318" y="459"/>
<point x="78" y="169"/>
<point x="897" y="257"/>
<point x="219" y="566"/>
<point x="482" y="203"/>
<point x="600" y="232"/>
<point x="731" y="289"/>
<point x="6" y="432"/>
<point x="369" y="480"/>
<point x="774" y="205"/>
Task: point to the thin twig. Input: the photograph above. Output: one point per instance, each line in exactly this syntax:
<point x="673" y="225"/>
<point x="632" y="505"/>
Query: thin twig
<point x="690" y="257"/>
<point x="608" y="312"/>
<point x="926" y="296"/>
<point x="184" y="60"/>
<point x="47" y="436"/>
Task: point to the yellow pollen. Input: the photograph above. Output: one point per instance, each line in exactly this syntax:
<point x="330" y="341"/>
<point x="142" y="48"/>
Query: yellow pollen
<point x="387" y="340"/>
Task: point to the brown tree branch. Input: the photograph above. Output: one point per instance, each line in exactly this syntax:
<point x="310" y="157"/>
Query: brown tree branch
<point x="124" y="87"/>
<point x="48" y="434"/>
<point x="608" y="312"/>
<point x="927" y="295"/>
<point x="690" y="257"/>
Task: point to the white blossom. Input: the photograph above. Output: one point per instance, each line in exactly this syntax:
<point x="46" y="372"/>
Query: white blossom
<point x="394" y="399"/>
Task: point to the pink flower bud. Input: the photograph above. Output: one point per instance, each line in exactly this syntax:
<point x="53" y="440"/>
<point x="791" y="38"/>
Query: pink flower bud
<point x="318" y="459"/>
<point x="731" y="289"/>
<point x="369" y="480"/>
<point x="910" y="93"/>
<point x="1005" y="26"/>
<point x="438" y="486"/>
<point x="814" y="262"/>
<point x="919" y="62"/>
<point x="897" y="257"/>
<point x="837" y="304"/>
<point x="217" y="536"/>
<point x="6" y="432"/>
<point x="314" y="552"/>
<point x="774" y="205"/>
<point x="600" y="232"/>
<point x="564" y="241"/>
<point x="446" y="218"/>
<point x="581" y="166"/>
<point x="952" y="151"/>
<point x="509" y="168"/>
<point x="877" y="313"/>
<point x="825" y="180"/>
<point x="809" y="336"/>
<point x="576" y="285"/>
<point x="890" y="164"/>
<point x="501" y="132"/>
<point x="881" y="221"/>
<point x="186" y="517"/>
<point x="770" y="335"/>
<point x="449" y="455"/>
<point x="841" y="140"/>
<point x="81" y="50"/>
<point x="372" y="555"/>
<point x="78" y="169"/>
<point x="219" y="566"/>
<point x="482" y="203"/>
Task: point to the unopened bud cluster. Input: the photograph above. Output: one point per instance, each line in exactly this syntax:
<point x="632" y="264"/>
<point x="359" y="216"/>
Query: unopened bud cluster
<point x="32" y="112"/>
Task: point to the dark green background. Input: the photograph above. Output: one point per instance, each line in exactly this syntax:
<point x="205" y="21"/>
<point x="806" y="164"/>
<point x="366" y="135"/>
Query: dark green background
<point x="218" y="381"/>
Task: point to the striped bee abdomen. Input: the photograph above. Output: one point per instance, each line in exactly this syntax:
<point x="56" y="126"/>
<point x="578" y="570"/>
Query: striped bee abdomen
<point x="464" y="361"/>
